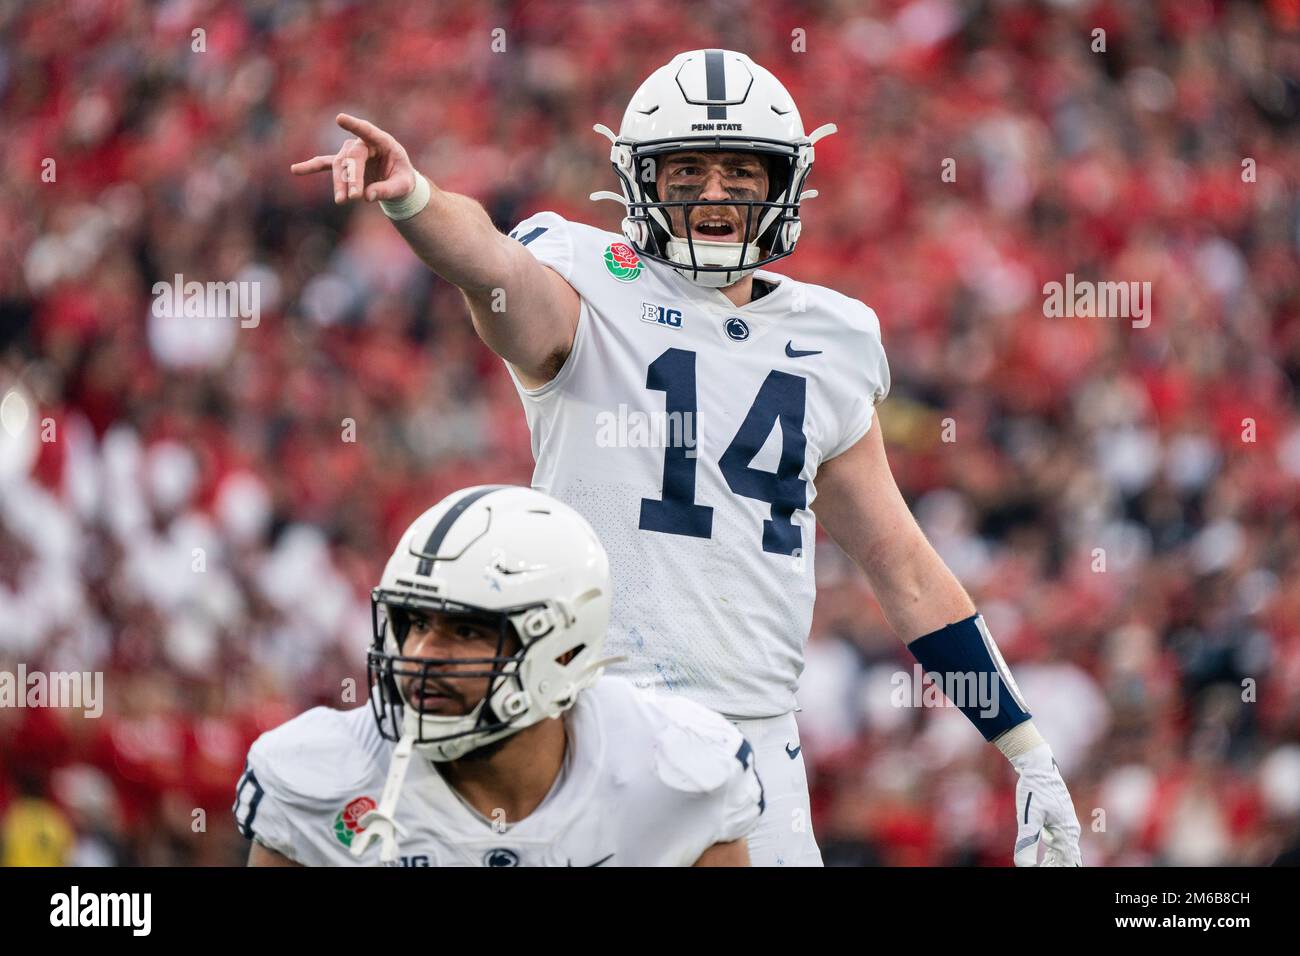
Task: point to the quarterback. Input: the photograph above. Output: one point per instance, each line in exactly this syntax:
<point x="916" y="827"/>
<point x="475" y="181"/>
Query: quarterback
<point x="492" y="739"/>
<point x="768" y="386"/>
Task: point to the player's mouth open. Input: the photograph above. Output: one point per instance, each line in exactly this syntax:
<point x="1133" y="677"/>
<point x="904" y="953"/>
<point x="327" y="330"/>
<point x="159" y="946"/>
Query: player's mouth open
<point x="715" y="230"/>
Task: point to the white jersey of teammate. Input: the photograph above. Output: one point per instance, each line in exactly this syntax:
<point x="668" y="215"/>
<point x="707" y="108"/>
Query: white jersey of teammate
<point x="646" y="782"/>
<point x="689" y="431"/>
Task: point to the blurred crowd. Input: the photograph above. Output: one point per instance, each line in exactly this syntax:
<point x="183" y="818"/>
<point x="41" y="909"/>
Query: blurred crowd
<point x="197" y="506"/>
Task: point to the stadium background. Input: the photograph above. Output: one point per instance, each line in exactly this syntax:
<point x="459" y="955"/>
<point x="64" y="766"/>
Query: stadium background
<point x="1071" y="434"/>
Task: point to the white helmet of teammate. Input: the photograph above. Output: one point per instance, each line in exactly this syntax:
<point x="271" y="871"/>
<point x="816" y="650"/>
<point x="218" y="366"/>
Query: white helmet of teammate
<point x="503" y="556"/>
<point x="716" y="101"/>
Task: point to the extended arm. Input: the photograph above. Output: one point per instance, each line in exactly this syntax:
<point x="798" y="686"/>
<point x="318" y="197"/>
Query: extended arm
<point x="522" y="310"/>
<point x="859" y="505"/>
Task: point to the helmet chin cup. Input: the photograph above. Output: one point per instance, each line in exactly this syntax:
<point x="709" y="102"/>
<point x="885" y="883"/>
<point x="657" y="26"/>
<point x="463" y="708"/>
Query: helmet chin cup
<point x="441" y="748"/>
<point x="713" y="280"/>
<point x="707" y="253"/>
<point x="447" y="750"/>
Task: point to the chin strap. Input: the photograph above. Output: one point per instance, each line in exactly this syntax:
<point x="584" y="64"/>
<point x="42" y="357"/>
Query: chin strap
<point x="381" y="823"/>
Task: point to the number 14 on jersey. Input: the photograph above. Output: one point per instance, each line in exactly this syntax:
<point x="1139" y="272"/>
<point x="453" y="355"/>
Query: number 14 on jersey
<point x="781" y="398"/>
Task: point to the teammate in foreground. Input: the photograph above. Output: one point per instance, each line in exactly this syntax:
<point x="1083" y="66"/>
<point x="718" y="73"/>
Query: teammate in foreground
<point x="692" y="406"/>
<point x="492" y="740"/>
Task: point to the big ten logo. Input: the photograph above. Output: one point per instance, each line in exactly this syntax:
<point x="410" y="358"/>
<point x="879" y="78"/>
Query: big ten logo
<point x="661" y="315"/>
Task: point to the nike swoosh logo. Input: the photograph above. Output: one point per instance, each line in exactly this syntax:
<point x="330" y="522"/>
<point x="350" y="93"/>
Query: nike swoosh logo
<point x="603" y="859"/>
<point x="1026" y="841"/>
<point x="793" y="753"/>
<point x="500" y="568"/>
<point x="793" y="352"/>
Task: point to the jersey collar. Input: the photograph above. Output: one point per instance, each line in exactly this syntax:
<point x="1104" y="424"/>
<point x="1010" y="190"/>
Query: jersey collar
<point x="780" y="289"/>
<point x="567" y="800"/>
<point x="759" y="315"/>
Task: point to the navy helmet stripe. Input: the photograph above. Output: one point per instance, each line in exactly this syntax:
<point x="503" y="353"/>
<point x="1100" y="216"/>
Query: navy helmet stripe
<point x="715" y="80"/>
<point x="444" y="524"/>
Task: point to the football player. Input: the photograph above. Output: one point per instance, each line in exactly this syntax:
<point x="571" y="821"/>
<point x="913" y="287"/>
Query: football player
<point x="491" y="739"/>
<point x="764" y="391"/>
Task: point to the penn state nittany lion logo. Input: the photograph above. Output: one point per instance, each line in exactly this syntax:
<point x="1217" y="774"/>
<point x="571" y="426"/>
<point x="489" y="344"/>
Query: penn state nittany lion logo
<point x="501" y="857"/>
<point x="737" y="329"/>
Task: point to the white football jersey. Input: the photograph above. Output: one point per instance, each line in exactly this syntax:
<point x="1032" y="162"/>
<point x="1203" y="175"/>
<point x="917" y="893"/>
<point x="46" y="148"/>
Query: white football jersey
<point x="647" y="782"/>
<point x="689" y="432"/>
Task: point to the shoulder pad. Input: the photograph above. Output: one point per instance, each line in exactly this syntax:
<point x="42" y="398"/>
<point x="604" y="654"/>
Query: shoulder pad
<point x="316" y="758"/>
<point x="695" y="749"/>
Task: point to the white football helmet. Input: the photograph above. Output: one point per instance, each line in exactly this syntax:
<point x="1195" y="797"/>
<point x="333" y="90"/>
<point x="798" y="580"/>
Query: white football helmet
<point x="519" y="560"/>
<point x="717" y="101"/>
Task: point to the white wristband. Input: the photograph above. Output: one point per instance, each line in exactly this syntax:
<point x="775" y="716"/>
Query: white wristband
<point x="410" y="204"/>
